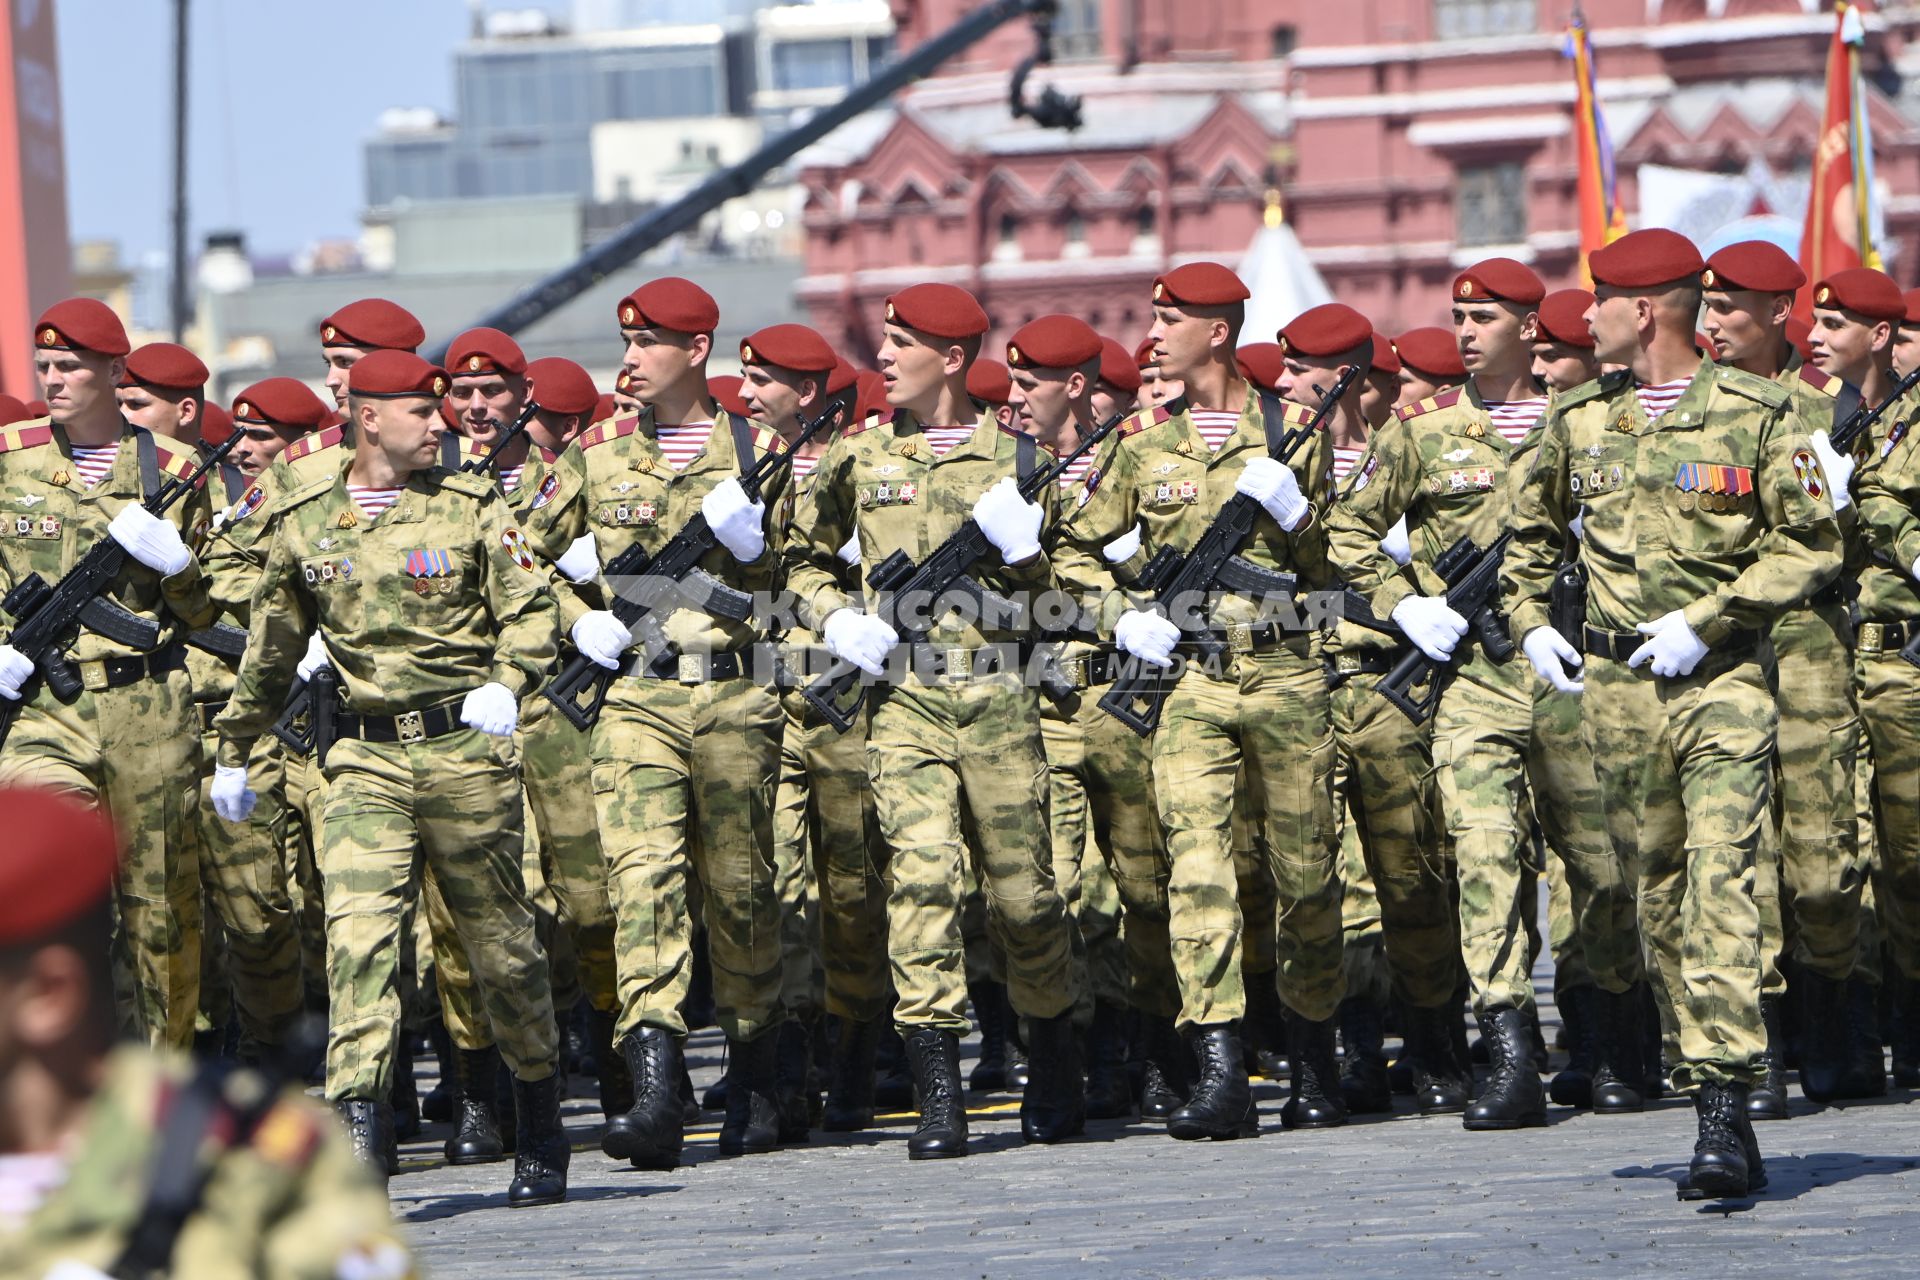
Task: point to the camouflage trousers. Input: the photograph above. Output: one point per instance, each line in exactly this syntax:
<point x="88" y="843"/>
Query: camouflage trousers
<point x="1890" y="704"/>
<point x="1269" y="716"/>
<point x="956" y="765"/>
<point x="1129" y="873"/>
<point x="559" y="788"/>
<point x="1253" y="890"/>
<point x="136" y="751"/>
<point x="1383" y="775"/>
<point x="244" y="873"/>
<point x="683" y="783"/>
<point x="827" y="859"/>
<point x="304" y="791"/>
<point x="1685" y="766"/>
<point x="452" y="803"/>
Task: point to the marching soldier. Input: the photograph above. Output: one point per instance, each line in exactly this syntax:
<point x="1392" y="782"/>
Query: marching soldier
<point x="128" y="739"/>
<point x="1429" y="363"/>
<point x="1117" y="389"/>
<point x="1704" y="512"/>
<point x="430" y="606"/>
<point x="164" y="389"/>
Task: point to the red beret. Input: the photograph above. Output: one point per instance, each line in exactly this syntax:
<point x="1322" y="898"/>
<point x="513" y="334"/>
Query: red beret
<point x="943" y="310"/>
<point x="725" y="391"/>
<point x="165" y="365"/>
<point x="1430" y="350"/>
<point x="280" y="402"/>
<point x="1262" y="363"/>
<point x="873" y="393"/>
<point x="372" y="324"/>
<point x="559" y="385"/>
<point x="1912" y="298"/>
<point x="989" y="380"/>
<point x="1053" y="342"/>
<point x="81" y="324"/>
<point x="1645" y="259"/>
<point x="1143" y="354"/>
<point x="604" y="407"/>
<point x="1759" y="265"/>
<point x="216" y="424"/>
<point x="12" y="410"/>
<point x="36" y="408"/>
<point x="1798" y="333"/>
<point x="1117" y="367"/>
<point x="395" y="375"/>
<point x="1499" y="280"/>
<point x="623" y="381"/>
<point x="1330" y="329"/>
<point x="788" y="346"/>
<point x="480" y="351"/>
<point x="670" y="303"/>
<point x="1199" y="284"/>
<point x="1384" y="359"/>
<point x="1863" y="291"/>
<point x="1563" y="317"/>
<point x="843" y="376"/>
<point x="60" y="863"/>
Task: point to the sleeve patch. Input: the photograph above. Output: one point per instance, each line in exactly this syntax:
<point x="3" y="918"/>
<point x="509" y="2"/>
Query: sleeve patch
<point x="516" y="544"/>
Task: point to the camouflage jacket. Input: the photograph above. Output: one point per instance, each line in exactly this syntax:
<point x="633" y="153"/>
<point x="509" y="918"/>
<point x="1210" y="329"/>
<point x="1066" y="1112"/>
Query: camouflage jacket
<point x="1718" y="509"/>
<point x="1887" y="492"/>
<point x="438" y="596"/>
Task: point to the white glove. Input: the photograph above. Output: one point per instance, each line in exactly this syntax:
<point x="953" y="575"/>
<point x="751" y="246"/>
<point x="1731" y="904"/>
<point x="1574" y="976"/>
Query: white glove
<point x="1397" y="545"/>
<point x="1123" y="547"/>
<point x="602" y="638"/>
<point x="1431" y="623"/>
<point x="1271" y="484"/>
<point x="1839" y="469"/>
<point x="1916" y="569"/>
<point x="15" y="670"/>
<point x="735" y="520"/>
<point x="314" y="659"/>
<point x="232" y="798"/>
<point x="150" y="540"/>
<point x="580" y="562"/>
<point x="1010" y="522"/>
<point x="1673" y="647"/>
<point x="1147" y="636"/>
<point x="492" y="709"/>
<point x="1553" y="658"/>
<point x="859" y="638"/>
<point x="1577" y="526"/>
<point x="849" y="551"/>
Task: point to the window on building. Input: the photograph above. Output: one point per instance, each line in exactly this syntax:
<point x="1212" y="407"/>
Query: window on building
<point x="1465" y="19"/>
<point x="1490" y="204"/>
<point x="1076" y="30"/>
<point x="1284" y="41"/>
<point x="813" y="64"/>
<point x="1146" y="230"/>
<point x="1073" y="235"/>
<point x="1007" y="243"/>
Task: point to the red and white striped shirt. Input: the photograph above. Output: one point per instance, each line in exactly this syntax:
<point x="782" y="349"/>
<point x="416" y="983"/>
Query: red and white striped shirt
<point x="804" y="463"/>
<point x="1514" y="418"/>
<point x="94" y="462"/>
<point x="1076" y="471"/>
<point x="681" y="443"/>
<point x="1214" y="425"/>
<point x="1657" y="399"/>
<point x="510" y="477"/>
<point x="1344" y="460"/>
<point x="373" y="502"/>
<point x="941" y="439"/>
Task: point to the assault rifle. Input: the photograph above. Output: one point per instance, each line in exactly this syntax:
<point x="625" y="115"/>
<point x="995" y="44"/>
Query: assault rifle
<point x="484" y="464"/>
<point x="1848" y="433"/>
<point x="1473" y="588"/>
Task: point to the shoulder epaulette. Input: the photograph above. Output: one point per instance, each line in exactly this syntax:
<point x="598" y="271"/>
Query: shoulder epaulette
<point x="1604" y="385"/>
<point x="871" y="420"/>
<point x="1439" y="400"/>
<point x="26" y="435"/>
<point x="470" y="483"/>
<point x="313" y="443"/>
<point x="611" y="429"/>
<point x="1145" y="418"/>
<point x="178" y="465"/>
<point x="767" y="440"/>
<point x="1752" y="386"/>
<point x="1814" y="378"/>
<point x="303" y="493"/>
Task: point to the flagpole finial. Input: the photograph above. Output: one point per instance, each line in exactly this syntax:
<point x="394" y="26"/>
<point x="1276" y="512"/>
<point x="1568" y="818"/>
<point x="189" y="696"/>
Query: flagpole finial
<point x="1275" y="213"/>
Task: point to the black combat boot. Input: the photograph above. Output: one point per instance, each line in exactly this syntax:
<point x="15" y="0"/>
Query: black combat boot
<point x="752" y="1126"/>
<point x="1019" y="1065"/>
<point x="715" y="1098"/>
<point x="651" y="1134"/>
<point x="1865" y="1054"/>
<point x="697" y="1010"/>
<point x="476" y="1127"/>
<point x="436" y="1104"/>
<point x="1315" y="1102"/>
<point x="1720" y="1167"/>
<point x="1263" y="1033"/>
<point x="1054" y="1107"/>
<point x="1442" y="1080"/>
<point x="1166" y="1068"/>
<point x="401" y="1094"/>
<point x="1109" y="1092"/>
<point x="1221" y="1105"/>
<point x="1823" y="1034"/>
<point x="540" y="1149"/>
<point x="993" y="1014"/>
<point x="1906" y="1034"/>
<point x="1573" y="1086"/>
<point x="1768" y="1099"/>
<point x="892" y="1073"/>
<point x="850" y="1084"/>
<point x="1618" y="1073"/>
<point x="369" y="1134"/>
<point x="942" y="1131"/>
<point x="576" y="1043"/>
<point x="616" y="1082"/>
<point x="792" y="1070"/>
<point x="1363" y="1071"/>
<point x="1513" y="1098"/>
<point x="1537" y="1040"/>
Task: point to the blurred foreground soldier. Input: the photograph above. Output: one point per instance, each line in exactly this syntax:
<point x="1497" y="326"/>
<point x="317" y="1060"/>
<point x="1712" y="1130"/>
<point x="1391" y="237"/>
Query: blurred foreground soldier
<point x="82" y="1122"/>
<point x="1705" y="512"/>
<point x="128" y="738"/>
<point x="429" y="604"/>
<point x="164" y="389"/>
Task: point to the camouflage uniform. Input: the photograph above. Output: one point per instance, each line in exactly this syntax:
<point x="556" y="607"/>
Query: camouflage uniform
<point x="132" y="747"/>
<point x="437" y="596"/>
<point x="291" y="1204"/>
<point x="1717" y="508"/>
<point x="950" y="749"/>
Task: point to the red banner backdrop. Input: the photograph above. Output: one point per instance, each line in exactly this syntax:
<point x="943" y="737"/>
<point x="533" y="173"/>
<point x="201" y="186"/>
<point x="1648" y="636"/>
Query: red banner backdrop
<point x="35" y="261"/>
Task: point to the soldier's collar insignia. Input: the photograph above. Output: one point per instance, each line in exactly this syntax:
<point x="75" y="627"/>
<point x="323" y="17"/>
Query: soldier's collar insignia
<point x="62" y="479"/>
<point x="346" y="521"/>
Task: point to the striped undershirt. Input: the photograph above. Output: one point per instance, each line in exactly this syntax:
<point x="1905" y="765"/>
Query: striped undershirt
<point x="681" y="443"/>
<point x="1214" y="425"/>
<point x="803" y="464"/>
<point x="1514" y="418"/>
<point x="1076" y="471"/>
<point x="1657" y="399"/>
<point x="510" y="477"/>
<point x="1344" y="459"/>
<point x="942" y="439"/>
<point x="373" y="502"/>
<point x="94" y="462"/>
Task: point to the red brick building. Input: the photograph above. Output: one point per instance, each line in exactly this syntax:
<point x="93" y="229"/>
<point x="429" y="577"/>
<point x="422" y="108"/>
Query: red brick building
<point x="1409" y="137"/>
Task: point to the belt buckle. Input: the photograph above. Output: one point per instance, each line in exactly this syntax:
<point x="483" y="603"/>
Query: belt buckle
<point x="1077" y="671"/>
<point x="93" y="676"/>
<point x="1348" y="664"/>
<point x="959" y="664"/>
<point x="1872" y="637"/>
<point x="410" y="726"/>
<point x="691" y="669"/>
<point x="1240" y="637"/>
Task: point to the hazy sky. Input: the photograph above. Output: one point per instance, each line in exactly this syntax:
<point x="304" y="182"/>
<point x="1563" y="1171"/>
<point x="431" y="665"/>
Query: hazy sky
<point x="283" y="92"/>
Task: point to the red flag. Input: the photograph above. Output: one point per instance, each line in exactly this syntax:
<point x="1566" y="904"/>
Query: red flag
<point x="1601" y="220"/>
<point x="1838" y="231"/>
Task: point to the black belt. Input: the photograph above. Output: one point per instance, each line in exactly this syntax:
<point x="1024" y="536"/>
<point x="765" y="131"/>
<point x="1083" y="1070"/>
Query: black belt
<point x="1342" y="667"/>
<point x="1885" y="637"/>
<point x="209" y="712"/>
<point x="699" y="668"/>
<point x="118" y="673"/>
<point x="1832" y="593"/>
<point x="408" y="726"/>
<point x="1249" y="637"/>
<point x="1620" y="645"/>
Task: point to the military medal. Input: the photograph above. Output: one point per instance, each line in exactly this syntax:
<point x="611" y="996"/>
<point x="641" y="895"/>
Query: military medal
<point x="909" y="491"/>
